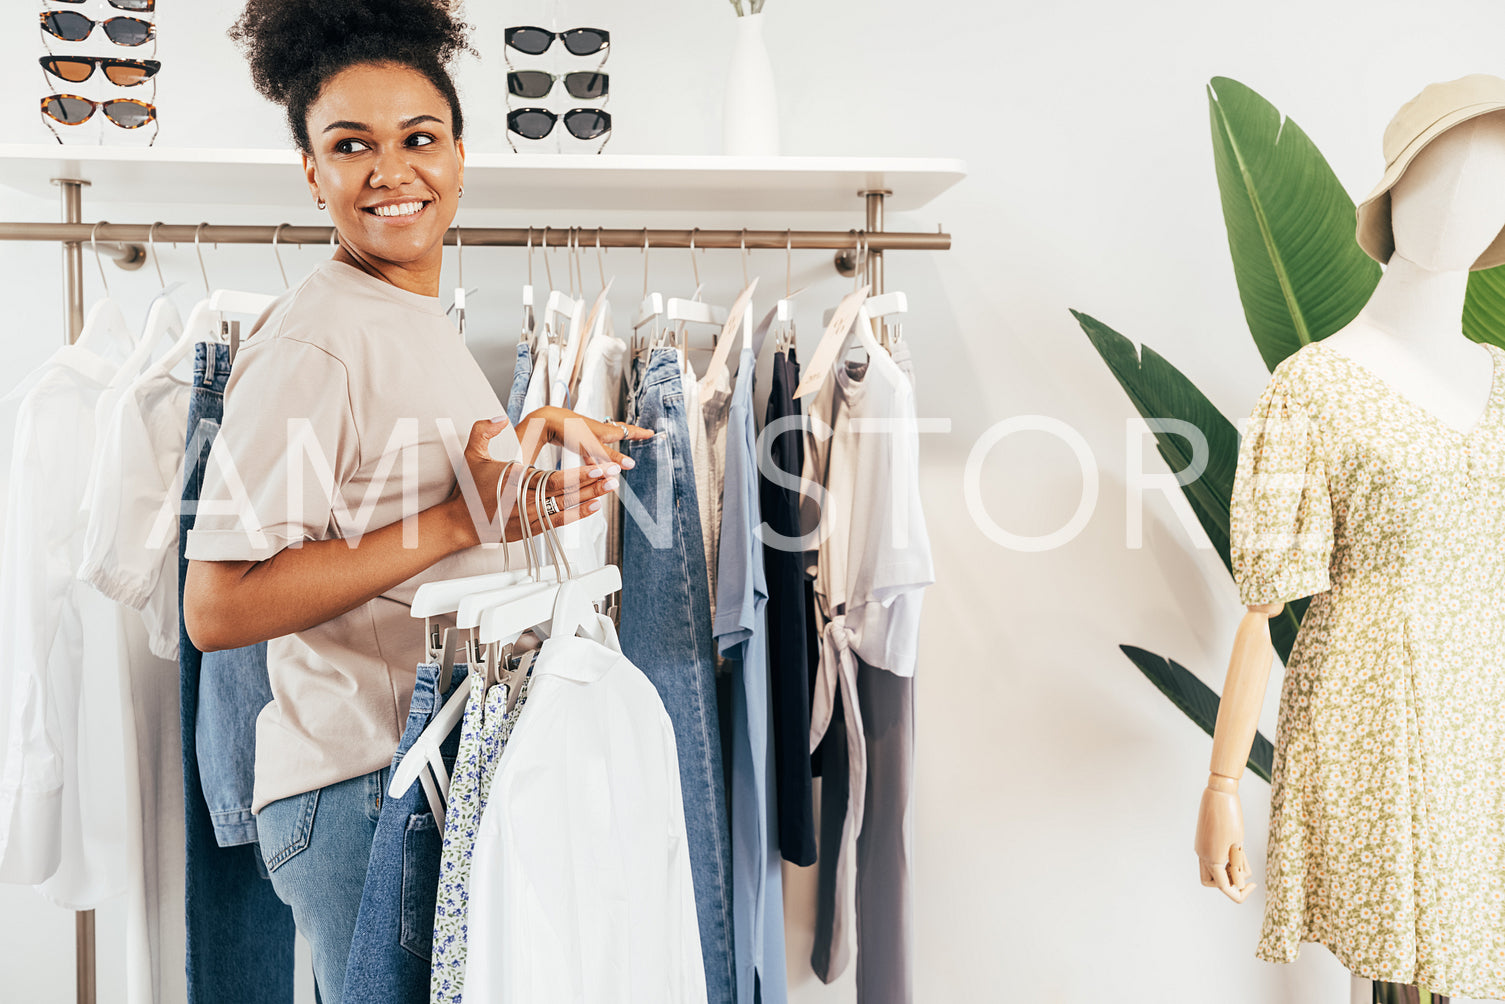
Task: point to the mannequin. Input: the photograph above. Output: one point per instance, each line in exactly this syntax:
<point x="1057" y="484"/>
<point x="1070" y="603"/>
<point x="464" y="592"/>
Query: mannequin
<point x="1446" y="209"/>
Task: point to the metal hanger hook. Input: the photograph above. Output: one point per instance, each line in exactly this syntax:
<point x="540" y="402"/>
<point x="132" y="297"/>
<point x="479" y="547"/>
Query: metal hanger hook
<point x="600" y="258"/>
<point x="151" y="243"/>
<point x="530" y="255"/>
<point x="577" y="274"/>
<point x="95" y="248"/>
<point x="645" y="262"/>
<point x="694" y="265"/>
<point x="742" y="243"/>
<point x="277" y="252"/>
<point x="788" y="261"/>
<point x="198" y="249"/>
<point x="548" y="270"/>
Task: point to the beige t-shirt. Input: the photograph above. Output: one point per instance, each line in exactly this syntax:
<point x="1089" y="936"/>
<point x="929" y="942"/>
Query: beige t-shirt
<point x="348" y="389"/>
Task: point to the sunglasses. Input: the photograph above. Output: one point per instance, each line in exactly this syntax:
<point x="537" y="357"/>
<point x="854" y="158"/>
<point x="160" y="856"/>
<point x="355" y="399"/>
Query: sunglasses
<point x="579" y="41"/>
<point x="135" y="5"/>
<point x="537" y="84"/>
<point x="536" y="123"/>
<point x="71" y="26"/>
<point x="70" y="109"/>
<point x="122" y="72"/>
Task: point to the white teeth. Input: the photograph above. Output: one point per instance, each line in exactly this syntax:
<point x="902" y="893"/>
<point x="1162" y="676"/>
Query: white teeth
<point x="401" y="209"/>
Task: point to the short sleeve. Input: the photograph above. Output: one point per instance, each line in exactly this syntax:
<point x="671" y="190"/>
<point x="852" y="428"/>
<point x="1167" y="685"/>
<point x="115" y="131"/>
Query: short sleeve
<point x="1281" y="514"/>
<point x="287" y="444"/>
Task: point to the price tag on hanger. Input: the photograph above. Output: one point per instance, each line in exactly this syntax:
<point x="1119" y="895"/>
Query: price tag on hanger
<point x="831" y="342"/>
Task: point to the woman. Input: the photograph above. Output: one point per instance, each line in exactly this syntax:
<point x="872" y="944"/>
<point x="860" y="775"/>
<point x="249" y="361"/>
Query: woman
<point x="340" y="455"/>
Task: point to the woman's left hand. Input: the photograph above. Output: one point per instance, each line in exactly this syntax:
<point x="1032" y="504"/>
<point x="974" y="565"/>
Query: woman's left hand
<point x="593" y="440"/>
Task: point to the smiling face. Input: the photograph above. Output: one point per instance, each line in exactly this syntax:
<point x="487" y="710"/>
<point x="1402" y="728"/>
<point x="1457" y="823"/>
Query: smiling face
<point x="385" y="159"/>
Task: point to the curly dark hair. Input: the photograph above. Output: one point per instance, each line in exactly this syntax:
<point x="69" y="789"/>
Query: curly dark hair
<point x="295" y="46"/>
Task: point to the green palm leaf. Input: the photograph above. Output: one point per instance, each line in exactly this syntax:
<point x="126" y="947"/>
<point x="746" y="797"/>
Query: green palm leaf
<point x="1196" y="700"/>
<point x="1484" y="308"/>
<point x="1158" y="390"/>
<point x="1300" y="272"/>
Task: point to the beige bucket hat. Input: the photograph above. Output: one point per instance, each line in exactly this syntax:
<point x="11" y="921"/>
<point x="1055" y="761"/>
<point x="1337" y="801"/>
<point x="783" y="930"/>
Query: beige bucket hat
<point x="1431" y="113"/>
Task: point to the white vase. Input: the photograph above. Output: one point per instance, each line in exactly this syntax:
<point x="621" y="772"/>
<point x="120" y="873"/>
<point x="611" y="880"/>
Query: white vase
<point x="750" y="110"/>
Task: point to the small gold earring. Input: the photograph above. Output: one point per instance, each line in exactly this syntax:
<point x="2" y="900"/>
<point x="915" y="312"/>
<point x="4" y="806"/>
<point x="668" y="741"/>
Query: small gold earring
<point x="461" y="194"/>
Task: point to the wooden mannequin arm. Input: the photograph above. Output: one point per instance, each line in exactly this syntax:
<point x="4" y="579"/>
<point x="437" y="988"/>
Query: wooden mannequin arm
<point x="1220" y="822"/>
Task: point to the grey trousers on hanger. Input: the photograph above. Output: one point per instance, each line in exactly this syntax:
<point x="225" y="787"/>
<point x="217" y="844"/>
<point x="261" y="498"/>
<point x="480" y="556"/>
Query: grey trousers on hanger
<point x="884" y="907"/>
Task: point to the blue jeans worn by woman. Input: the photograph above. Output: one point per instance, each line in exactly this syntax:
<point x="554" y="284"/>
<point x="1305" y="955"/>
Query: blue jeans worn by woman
<point x="317" y="846"/>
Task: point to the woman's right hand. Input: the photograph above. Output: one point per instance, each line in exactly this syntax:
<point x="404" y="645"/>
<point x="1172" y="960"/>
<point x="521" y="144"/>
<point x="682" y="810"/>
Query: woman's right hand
<point x="577" y="492"/>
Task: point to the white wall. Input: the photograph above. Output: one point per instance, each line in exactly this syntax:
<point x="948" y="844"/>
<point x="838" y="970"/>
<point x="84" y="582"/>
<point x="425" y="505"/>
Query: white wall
<point x="1057" y="790"/>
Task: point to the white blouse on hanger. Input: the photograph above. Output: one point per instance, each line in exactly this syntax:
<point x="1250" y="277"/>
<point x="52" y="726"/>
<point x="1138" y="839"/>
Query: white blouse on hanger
<point x="580" y="886"/>
<point x="61" y="802"/>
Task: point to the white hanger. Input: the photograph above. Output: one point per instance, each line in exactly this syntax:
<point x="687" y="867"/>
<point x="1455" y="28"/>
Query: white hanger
<point x="105" y="332"/>
<point x="839" y="331"/>
<point x="233" y="301"/>
<point x="650" y="310"/>
<point x="506" y="622"/>
<point x="200" y="327"/>
<point x="694" y="312"/>
<point x="162" y="321"/>
<point x="105" y="323"/>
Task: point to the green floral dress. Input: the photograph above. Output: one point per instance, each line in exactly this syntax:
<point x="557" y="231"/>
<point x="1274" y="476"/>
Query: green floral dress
<point x="1387" y="810"/>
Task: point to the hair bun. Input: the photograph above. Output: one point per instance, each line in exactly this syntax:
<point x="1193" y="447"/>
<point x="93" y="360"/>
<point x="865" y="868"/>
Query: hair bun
<point x="293" y="46"/>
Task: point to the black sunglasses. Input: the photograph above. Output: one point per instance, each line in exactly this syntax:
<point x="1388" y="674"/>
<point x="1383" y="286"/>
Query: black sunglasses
<point x="536" y="123"/>
<point x="536" y="41"/>
<point x="136" y="5"/>
<point x="585" y="84"/>
<point x="122" y="72"/>
<point x="71" y="26"/>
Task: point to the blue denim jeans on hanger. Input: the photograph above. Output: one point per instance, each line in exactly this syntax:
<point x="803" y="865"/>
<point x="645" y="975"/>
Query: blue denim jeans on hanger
<point x="666" y="632"/>
<point x="316" y="846"/>
<point x="392" y="946"/>
<point x="240" y="935"/>
<point x="522" y="370"/>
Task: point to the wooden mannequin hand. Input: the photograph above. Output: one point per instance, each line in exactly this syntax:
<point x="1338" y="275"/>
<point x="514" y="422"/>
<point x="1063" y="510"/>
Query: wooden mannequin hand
<point x="1220" y="839"/>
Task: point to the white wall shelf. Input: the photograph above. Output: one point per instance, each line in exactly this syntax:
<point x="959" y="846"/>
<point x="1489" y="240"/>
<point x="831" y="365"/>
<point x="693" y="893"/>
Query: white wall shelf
<point x="629" y="182"/>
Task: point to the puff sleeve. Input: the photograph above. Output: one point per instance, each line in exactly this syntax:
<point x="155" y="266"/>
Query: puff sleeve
<point x="1281" y="514"/>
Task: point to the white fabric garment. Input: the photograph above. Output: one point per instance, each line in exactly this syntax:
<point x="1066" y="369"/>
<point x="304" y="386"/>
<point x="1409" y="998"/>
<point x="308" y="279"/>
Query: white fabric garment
<point x="596" y="396"/>
<point x="873" y="561"/>
<point x="131" y="556"/>
<point x="581" y="885"/>
<point x="131" y="543"/>
<point x="540" y="383"/>
<point x="61" y="775"/>
<point x="156" y="937"/>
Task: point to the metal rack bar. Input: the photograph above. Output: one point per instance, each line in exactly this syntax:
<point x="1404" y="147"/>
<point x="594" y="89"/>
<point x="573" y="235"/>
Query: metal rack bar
<point x="113" y="238"/>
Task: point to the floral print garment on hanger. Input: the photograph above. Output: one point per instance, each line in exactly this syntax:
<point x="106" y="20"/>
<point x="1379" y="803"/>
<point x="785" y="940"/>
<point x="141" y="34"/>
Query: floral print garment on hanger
<point x="483" y="736"/>
<point x="1387" y="814"/>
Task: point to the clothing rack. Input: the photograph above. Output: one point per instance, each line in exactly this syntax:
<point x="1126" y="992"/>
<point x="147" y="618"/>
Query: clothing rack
<point x="127" y="245"/>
